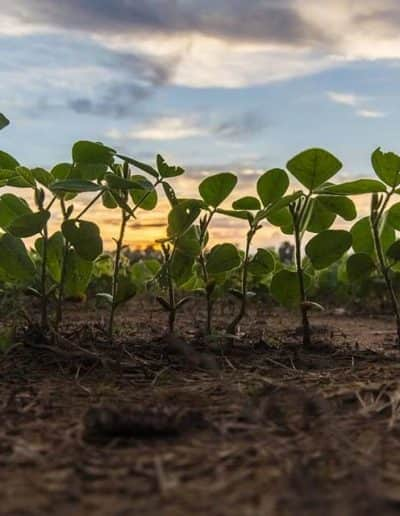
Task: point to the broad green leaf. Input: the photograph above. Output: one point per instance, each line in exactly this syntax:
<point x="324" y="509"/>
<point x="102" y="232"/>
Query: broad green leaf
<point x="85" y="238"/>
<point x="120" y="183"/>
<point x="262" y="263"/>
<point x="75" y="185"/>
<point x="143" y="271"/>
<point x="144" y="195"/>
<point x="126" y="289"/>
<point x="3" y="121"/>
<point x="223" y="258"/>
<point x="7" y="161"/>
<point x="92" y="152"/>
<point x="359" y="266"/>
<point x="170" y="193"/>
<point x="61" y="171"/>
<point x="313" y="167"/>
<point x="360" y="186"/>
<point x="89" y="171"/>
<point x="215" y="189"/>
<point x="166" y="170"/>
<point x="109" y="200"/>
<point x="280" y="217"/>
<point x="55" y="254"/>
<point x="42" y="176"/>
<point x="386" y="166"/>
<point x="272" y="186"/>
<point x="321" y="218"/>
<point x="12" y="207"/>
<point x="26" y="175"/>
<point x="393" y="216"/>
<point x="393" y="252"/>
<point x="327" y="247"/>
<point x="284" y="202"/>
<point x="138" y="164"/>
<point x="237" y="214"/>
<point x="342" y="206"/>
<point x="28" y="225"/>
<point x="285" y="287"/>
<point x="77" y="276"/>
<point x="14" y="258"/>
<point x="247" y="203"/>
<point x="189" y="242"/>
<point x="363" y="240"/>
<point x="181" y="267"/>
<point x="181" y="217"/>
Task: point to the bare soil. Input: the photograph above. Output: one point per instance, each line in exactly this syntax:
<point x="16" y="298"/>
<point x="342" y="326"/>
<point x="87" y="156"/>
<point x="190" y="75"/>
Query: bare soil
<point x="181" y="426"/>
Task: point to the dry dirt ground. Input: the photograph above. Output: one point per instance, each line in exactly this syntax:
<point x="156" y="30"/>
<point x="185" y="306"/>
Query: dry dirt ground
<point x="184" y="427"/>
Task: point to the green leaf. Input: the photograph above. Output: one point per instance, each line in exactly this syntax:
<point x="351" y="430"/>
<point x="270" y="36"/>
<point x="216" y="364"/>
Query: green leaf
<point x="327" y="247"/>
<point x="181" y="217"/>
<point x="363" y="240"/>
<point x="359" y="266"/>
<point x="223" y="258"/>
<point x="247" y="203"/>
<point x="89" y="171"/>
<point x="393" y="252"/>
<point x="12" y="207"/>
<point x="342" y="206"/>
<point x="170" y="193"/>
<point x="92" y="152"/>
<point x="23" y="179"/>
<point x="138" y="164"/>
<point x="272" y="185"/>
<point x="386" y="166"/>
<point x="166" y="170"/>
<point x="3" y="121"/>
<point x="285" y="288"/>
<point x="263" y="263"/>
<point x="237" y="214"/>
<point x="14" y="258"/>
<point x="360" y="186"/>
<point x="215" y="189"/>
<point x="189" y="242"/>
<point x="85" y="238"/>
<point x="75" y="185"/>
<point x="61" y="170"/>
<point x="393" y="216"/>
<point x="55" y="254"/>
<point x="77" y="276"/>
<point x="109" y="201"/>
<point x="321" y="218"/>
<point x="126" y="289"/>
<point x="42" y="176"/>
<point x="181" y="267"/>
<point x="7" y="161"/>
<point x="144" y="195"/>
<point x="313" y="167"/>
<point x="120" y="183"/>
<point x="28" y="225"/>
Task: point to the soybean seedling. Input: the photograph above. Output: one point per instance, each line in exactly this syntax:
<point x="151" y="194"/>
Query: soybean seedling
<point x="271" y="189"/>
<point x="314" y="210"/>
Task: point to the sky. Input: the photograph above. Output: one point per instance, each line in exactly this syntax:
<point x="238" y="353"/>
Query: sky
<point x="212" y="85"/>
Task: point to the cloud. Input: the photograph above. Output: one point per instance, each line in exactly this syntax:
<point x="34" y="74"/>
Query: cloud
<point x="358" y="102"/>
<point x="369" y="113"/>
<point x="347" y="99"/>
<point x="242" y="126"/>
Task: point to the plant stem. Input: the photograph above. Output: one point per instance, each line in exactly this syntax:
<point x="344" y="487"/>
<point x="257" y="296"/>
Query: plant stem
<point x="202" y="260"/>
<point x="232" y="328"/>
<point x="59" y="313"/>
<point x="385" y="269"/>
<point x="95" y="198"/>
<point x="117" y="265"/>
<point x="44" y="315"/>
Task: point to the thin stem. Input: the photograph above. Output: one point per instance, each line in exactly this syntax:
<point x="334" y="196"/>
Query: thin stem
<point x="385" y="269"/>
<point x="95" y="198"/>
<point x="117" y="265"/>
<point x="232" y="328"/>
<point x="202" y="261"/>
<point x="44" y="315"/>
<point x="297" y="226"/>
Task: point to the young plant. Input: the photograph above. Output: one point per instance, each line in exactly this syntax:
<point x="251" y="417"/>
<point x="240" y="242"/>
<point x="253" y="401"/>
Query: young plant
<point x="374" y="237"/>
<point x="213" y="190"/>
<point x="314" y="210"/>
<point x="271" y="189"/>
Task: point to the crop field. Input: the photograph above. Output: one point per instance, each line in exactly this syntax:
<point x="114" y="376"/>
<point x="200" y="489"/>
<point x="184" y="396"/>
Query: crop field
<point x="193" y="378"/>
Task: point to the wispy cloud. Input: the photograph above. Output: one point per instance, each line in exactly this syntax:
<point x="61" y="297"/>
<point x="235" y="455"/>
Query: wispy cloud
<point x="358" y="102"/>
